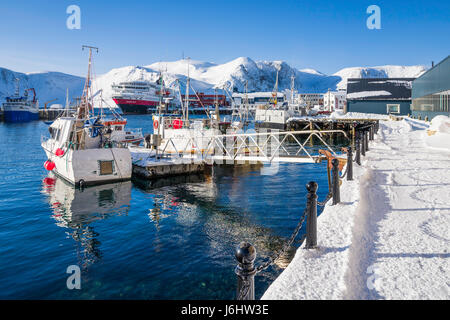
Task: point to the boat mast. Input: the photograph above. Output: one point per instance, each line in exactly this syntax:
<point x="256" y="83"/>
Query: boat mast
<point x="292" y="89"/>
<point x="186" y="97"/>
<point x="275" y="92"/>
<point x="17" y="87"/>
<point x="84" y="108"/>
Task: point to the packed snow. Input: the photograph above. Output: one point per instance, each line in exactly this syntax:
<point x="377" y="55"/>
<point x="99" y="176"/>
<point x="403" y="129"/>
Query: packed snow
<point x="438" y="134"/>
<point x="389" y="237"/>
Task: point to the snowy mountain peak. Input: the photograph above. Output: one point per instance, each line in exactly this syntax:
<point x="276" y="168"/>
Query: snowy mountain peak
<point x="205" y="77"/>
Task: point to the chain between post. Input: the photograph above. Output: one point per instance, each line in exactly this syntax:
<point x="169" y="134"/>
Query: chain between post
<point x="285" y="246"/>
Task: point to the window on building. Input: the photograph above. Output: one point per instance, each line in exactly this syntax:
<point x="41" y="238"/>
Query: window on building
<point x="393" y="108"/>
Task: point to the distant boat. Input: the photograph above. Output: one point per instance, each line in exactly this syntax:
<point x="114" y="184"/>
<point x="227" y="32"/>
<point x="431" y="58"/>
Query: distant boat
<point x="19" y="108"/>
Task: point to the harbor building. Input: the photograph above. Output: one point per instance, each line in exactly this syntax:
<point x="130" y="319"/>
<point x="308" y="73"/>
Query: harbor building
<point x="255" y="99"/>
<point x="201" y="99"/>
<point x="334" y="100"/>
<point x="379" y="95"/>
<point x="431" y="92"/>
<point x="310" y="99"/>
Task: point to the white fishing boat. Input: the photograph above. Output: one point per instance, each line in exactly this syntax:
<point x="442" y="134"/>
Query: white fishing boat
<point x="274" y="115"/>
<point x="182" y="135"/>
<point x="80" y="149"/>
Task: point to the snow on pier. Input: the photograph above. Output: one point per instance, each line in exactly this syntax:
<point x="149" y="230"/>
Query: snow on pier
<point x="389" y="237"/>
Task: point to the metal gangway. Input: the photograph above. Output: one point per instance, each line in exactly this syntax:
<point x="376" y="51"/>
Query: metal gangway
<point x="252" y="147"/>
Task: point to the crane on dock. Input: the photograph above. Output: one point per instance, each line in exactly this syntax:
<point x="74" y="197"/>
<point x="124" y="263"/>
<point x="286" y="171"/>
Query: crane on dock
<point x="46" y="103"/>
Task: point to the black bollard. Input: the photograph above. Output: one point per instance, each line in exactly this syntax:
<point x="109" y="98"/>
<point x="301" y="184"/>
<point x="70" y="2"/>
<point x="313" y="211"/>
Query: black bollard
<point x="245" y="270"/>
<point x="311" y="216"/>
<point x="349" y="164"/>
<point x="363" y="144"/>
<point x="336" y="191"/>
<point x="358" y="149"/>
<point x="371" y="132"/>
<point x="366" y="137"/>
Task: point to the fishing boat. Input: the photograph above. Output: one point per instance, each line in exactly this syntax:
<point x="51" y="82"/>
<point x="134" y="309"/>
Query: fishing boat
<point x="179" y="134"/>
<point x="274" y="115"/>
<point x="80" y="149"/>
<point x="20" y="108"/>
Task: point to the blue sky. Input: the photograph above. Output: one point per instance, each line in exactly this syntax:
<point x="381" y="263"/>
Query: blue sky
<point x="318" y="34"/>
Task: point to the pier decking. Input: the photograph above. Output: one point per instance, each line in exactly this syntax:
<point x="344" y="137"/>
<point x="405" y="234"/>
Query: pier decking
<point x="388" y="238"/>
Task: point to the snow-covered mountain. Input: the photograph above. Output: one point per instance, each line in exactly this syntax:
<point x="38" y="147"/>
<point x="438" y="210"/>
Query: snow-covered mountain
<point x="205" y="77"/>
<point x="48" y="85"/>
<point x="378" y="72"/>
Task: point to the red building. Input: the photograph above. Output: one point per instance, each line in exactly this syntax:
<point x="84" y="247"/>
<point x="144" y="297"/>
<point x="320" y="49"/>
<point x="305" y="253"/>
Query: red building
<point x="206" y="99"/>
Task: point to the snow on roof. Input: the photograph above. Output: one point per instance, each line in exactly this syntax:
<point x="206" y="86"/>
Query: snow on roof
<point x="379" y="88"/>
<point x="257" y="95"/>
<point x="367" y="94"/>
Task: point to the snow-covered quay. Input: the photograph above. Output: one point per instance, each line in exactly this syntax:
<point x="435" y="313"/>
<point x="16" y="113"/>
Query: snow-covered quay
<point x="389" y="237"/>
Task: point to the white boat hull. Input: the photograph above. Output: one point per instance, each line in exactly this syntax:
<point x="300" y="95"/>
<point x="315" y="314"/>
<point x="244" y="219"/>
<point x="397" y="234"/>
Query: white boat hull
<point x="84" y="165"/>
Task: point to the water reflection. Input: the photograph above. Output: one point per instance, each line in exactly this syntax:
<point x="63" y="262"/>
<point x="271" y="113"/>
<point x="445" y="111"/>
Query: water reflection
<point x="76" y="209"/>
<point x="205" y="203"/>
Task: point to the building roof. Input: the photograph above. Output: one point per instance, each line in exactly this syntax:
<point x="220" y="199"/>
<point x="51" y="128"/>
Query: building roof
<point x="379" y="88"/>
<point x="257" y="95"/>
<point x="435" y="80"/>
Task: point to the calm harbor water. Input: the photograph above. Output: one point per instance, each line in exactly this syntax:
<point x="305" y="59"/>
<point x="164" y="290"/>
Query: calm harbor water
<point x="170" y="239"/>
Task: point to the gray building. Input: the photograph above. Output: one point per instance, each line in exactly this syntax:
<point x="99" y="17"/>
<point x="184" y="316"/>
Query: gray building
<point x="431" y="92"/>
<point x="379" y="95"/>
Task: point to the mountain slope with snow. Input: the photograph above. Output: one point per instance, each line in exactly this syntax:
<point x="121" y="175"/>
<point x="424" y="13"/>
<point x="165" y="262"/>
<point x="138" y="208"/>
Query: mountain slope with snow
<point x="48" y="85"/>
<point x="205" y="77"/>
<point x="378" y="72"/>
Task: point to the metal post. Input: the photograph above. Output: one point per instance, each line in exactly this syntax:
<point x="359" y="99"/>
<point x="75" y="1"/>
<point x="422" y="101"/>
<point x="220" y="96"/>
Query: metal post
<point x="311" y="216"/>
<point x="245" y="270"/>
<point x="349" y="164"/>
<point x="371" y="132"/>
<point x="336" y="191"/>
<point x="363" y="144"/>
<point x="366" y="137"/>
<point x="358" y="149"/>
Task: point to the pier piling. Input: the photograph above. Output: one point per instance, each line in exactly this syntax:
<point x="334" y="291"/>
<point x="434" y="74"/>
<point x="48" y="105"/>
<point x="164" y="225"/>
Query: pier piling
<point x="366" y="138"/>
<point x="349" y="164"/>
<point x="358" y="149"/>
<point x="311" y="216"/>
<point x="363" y="144"/>
<point x="245" y="270"/>
<point x="335" y="186"/>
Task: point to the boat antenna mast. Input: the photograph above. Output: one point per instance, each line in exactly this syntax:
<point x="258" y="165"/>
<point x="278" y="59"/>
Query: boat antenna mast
<point x="275" y="92"/>
<point x="292" y="88"/>
<point x="186" y="97"/>
<point x="87" y="86"/>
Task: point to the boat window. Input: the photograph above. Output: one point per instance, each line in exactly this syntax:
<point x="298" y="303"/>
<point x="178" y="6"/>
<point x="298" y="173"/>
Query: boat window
<point x="105" y="167"/>
<point x="118" y="128"/>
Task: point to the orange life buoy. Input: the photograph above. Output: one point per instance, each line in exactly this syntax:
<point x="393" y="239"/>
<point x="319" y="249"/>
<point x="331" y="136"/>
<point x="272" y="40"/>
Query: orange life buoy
<point x="155" y="124"/>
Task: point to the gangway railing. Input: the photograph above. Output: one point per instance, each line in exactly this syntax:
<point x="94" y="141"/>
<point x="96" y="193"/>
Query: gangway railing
<point x="266" y="147"/>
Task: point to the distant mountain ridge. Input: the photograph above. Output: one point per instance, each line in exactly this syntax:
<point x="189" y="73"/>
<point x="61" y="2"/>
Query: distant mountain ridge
<point x="205" y="77"/>
<point x="48" y="85"/>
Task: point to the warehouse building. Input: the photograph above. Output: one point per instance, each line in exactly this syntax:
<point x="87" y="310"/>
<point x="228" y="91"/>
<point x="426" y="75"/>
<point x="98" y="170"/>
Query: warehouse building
<point x="431" y="92"/>
<point x="379" y="95"/>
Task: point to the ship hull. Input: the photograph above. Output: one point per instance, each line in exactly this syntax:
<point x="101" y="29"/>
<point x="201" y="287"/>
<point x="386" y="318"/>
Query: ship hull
<point x="130" y="106"/>
<point x="19" y="116"/>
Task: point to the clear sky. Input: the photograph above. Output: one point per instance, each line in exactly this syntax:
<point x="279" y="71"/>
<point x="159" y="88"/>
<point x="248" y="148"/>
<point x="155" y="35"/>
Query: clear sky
<point x="320" y="34"/>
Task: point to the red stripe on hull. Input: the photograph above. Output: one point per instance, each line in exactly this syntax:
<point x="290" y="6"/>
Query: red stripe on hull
<point x="136" y="102"/>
